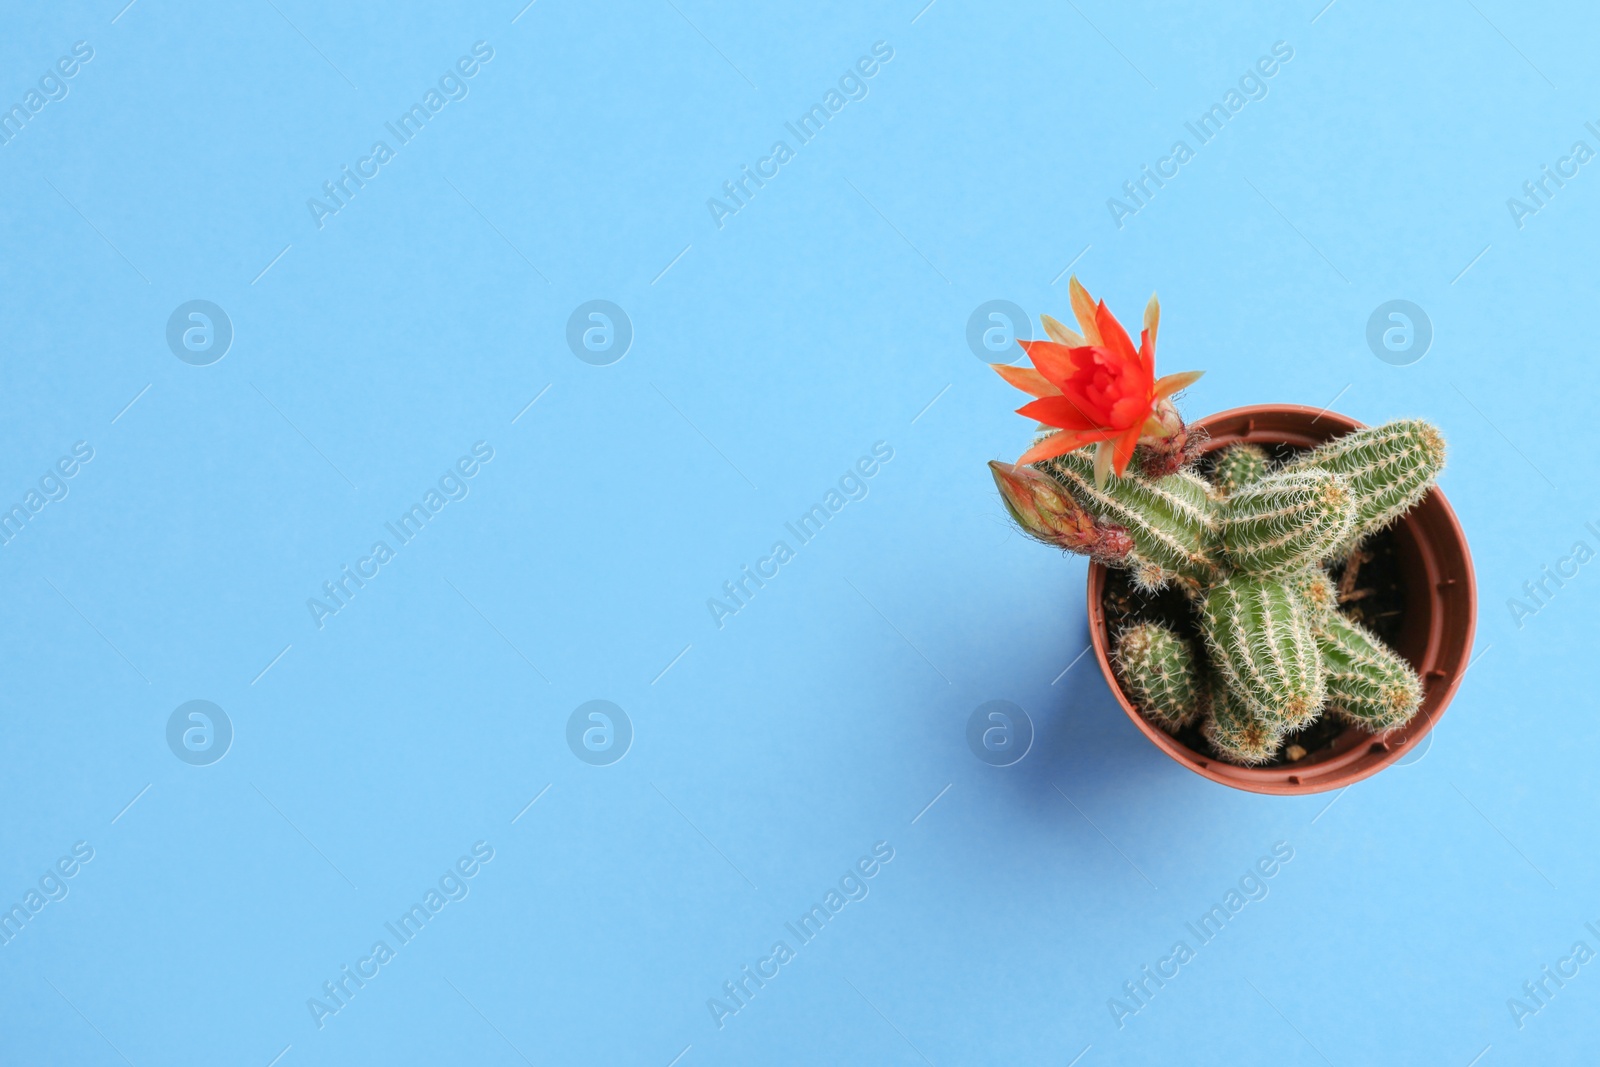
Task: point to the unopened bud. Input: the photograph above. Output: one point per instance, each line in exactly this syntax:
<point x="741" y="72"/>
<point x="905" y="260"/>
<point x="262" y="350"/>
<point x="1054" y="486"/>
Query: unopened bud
<point x="1114" y="542"/>
<point x="1168" y="445"/>
<point x="1046" y="511"/>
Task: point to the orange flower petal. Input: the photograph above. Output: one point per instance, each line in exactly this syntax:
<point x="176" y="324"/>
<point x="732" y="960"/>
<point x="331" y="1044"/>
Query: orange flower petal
<point x="1060" y="444"/>
<point x="1147" y="353"/>
<point x="1129" y="411"/>
<point x="1083" y="310"/>
<point x="1059" y="412"/>
<point x="1027" y="379"/>
<point x="1103" y="455"/>
<point x="1095" y="412"/>
<point x="1173" y="383"/>
<point x="1124" y="449"/>
<point x="1060" y="333"/>
<point x="1054" y="361"/>
<point x="1113" y="337"/>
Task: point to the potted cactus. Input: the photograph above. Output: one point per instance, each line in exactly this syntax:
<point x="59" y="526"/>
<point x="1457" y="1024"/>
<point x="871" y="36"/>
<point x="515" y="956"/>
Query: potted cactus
<point x="1280" y="598"/>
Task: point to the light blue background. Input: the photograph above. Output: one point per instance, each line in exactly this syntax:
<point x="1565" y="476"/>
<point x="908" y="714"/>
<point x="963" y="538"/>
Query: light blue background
<point x="768" y="355"/>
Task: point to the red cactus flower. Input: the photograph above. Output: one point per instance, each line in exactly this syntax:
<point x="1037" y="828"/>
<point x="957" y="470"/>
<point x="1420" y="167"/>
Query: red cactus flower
<point x="1097" y="388"/>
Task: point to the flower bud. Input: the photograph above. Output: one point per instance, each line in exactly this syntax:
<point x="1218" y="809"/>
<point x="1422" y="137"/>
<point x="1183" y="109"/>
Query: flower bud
<point x="1167" y="445"/>
<point x="1046" y="511"/>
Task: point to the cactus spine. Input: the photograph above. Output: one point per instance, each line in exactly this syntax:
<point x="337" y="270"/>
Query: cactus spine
<point x="1286" y="521"/>
<point x="1238" y="465"/>
<point x="1263" y="646"/>
<point x="1368" y="684"/>
<point x="1239" y="734"/>
<point x="1161" y="675"/>
<point x="1316" y="591"/>
<point x="1389" y="469"/>
<point x="1170" y="520"/>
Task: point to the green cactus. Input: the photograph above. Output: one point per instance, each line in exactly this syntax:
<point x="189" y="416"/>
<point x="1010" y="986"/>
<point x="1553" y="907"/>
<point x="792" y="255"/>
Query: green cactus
<point x="1389" y="469"/>
<point x="1368" y="684"/>
<point x="1171" y="520"/>
<point x="1248" y="549"/>
<point x="1238" y="734"/>
<point x="1264" y="648"/>
<point x="1286" y="521"/>
<point x="1238" y="465"/>
<point x="1161" y="675"/>
<point x="1316" y="591"/>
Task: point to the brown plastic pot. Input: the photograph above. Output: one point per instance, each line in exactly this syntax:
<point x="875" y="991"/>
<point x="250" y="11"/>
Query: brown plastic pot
<point x="1441" y="611"/>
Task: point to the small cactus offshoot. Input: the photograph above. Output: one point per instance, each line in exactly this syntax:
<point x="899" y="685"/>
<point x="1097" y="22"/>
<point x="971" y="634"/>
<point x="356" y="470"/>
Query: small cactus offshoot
<point x="1238" y="465"/>
<point x="1238" y="734"/>
<point x="1161" y="675"/>
<point x="1249" y="549"/>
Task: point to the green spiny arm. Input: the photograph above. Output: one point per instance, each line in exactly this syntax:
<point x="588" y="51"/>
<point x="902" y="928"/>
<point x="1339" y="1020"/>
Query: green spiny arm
<point x="1287" y="521"/>
<point x="1263" y="646"/>
<point x="1237" y="733"/>
<point x="1171" y="520"/>
<point x="1369" y="685"/>
<point x="1160" y="674"/>
<point x="1389" y="468"/>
